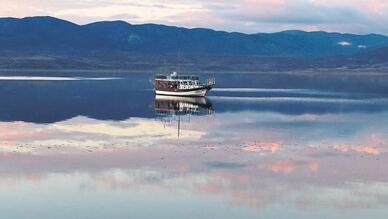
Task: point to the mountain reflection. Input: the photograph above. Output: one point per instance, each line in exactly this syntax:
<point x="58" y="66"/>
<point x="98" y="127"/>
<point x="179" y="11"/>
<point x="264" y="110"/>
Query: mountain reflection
<point x="54" y="101"/>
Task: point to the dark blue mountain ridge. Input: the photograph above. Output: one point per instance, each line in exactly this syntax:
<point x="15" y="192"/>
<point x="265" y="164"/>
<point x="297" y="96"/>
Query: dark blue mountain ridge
<point x="53" y="36"/>
<point x="379" y="55"/>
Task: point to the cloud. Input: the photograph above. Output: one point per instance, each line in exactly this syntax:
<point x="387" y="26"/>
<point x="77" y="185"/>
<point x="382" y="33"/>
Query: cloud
<point x="80" y="133"/>
<point x="263" y="147"/>
<point x="344" y="43"/>
<point x="289" y="166"/>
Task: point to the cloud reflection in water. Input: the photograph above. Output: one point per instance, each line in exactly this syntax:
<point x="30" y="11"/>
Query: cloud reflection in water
<point x="235" y="162"/>
<point x="276" y="165"/>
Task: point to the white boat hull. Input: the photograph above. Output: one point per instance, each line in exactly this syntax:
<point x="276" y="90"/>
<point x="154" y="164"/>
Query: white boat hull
<point x="192" y="93"/>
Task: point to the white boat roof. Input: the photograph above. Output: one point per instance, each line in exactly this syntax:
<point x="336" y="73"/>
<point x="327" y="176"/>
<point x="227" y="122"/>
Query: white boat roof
<point x="174" y="76"/>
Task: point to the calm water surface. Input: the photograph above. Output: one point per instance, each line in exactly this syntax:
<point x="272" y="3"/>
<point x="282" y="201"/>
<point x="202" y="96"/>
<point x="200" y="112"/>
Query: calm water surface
<point x="260" y="146"/>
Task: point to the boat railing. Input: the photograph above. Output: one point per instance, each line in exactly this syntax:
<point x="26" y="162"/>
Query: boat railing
<point x="209" y="82"/>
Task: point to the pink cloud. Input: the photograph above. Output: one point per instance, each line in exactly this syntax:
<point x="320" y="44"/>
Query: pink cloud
<point x="359" y="149"/>
<point x="289" y="166"/>
<point x="262" y="147"/>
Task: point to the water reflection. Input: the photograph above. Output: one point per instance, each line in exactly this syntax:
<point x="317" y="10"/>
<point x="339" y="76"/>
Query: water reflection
<point x="167" y="106"/>
<point x="239" y="154"/>
<point x="170" y="108"/>
<point x="54" y="101"/>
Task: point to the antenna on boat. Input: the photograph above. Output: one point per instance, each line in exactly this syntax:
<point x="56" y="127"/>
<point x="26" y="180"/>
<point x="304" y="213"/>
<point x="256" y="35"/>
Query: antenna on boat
<point x="179" y="124"/>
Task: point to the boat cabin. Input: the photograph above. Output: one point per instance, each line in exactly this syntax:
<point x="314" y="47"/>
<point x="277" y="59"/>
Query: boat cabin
<point x="175" y="82"/>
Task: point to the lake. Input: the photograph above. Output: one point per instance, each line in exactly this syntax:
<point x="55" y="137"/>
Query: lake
<point x="102" y="145"/>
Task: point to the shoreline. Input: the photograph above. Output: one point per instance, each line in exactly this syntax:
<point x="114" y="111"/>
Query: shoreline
<point x="319" y="71"/>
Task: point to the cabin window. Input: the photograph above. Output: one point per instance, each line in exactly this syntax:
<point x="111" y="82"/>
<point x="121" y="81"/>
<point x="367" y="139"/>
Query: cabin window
<point x="161" y="77"/>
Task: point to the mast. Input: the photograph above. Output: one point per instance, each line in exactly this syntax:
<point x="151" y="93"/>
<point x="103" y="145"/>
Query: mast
<point x="179" y="124"/>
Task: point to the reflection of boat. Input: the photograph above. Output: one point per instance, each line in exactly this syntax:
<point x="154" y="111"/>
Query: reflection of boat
<point x="170" y="106"/>
<point x="182" y="85"/>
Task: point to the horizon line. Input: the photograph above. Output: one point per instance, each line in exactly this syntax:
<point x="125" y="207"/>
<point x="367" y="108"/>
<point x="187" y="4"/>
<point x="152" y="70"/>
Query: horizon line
<point x="191" y="28"/>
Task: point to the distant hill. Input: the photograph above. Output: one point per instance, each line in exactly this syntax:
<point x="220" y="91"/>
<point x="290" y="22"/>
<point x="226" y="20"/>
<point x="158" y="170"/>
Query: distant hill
<point x="379" y="55"/>
<point x="37" y="41"/>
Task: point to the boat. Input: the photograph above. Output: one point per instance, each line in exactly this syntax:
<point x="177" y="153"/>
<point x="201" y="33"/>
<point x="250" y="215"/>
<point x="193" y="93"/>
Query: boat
<point x="182" y="85"/>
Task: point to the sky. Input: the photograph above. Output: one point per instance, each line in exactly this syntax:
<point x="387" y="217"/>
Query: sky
<point x="249" y="16"/>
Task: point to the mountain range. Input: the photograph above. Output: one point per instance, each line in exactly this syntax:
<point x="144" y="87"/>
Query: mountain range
<point x="48" y="42"/>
